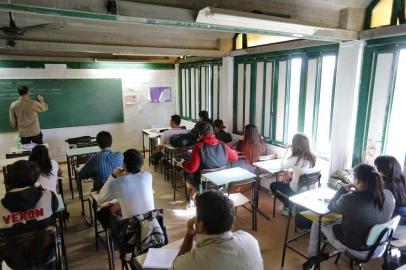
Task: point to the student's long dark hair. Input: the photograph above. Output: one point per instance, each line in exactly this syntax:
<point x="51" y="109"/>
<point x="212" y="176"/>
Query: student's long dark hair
<point x="393" y="177"/>
<point x="373" y="183"/>
<point x="252" y="145"/>
<point x="40" y="156"/>
<point x="301" y="149"/>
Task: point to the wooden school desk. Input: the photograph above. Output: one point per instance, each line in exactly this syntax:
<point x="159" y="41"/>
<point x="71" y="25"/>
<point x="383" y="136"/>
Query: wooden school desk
<point x="70" y="160"/>
<point x="15" y="150"/>
<point x="316" y="201"/>
<point x="272" y="166"/>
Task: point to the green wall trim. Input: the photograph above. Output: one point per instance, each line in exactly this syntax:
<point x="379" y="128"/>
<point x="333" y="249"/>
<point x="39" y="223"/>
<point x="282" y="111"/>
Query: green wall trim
<point x="60" y="12"/>
<point x="84" y="65"/>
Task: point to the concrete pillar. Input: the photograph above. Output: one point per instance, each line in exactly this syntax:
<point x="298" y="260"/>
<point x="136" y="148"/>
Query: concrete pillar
<point x="345" y="103"/>
<point x="226" y="93"/>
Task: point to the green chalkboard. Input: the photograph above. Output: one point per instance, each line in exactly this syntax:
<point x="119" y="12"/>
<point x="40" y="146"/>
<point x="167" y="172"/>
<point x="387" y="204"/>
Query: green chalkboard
<point x="72" y="102"/>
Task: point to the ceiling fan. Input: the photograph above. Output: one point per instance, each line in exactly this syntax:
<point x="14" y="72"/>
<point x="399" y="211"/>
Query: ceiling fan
<point x="12" y="31"/>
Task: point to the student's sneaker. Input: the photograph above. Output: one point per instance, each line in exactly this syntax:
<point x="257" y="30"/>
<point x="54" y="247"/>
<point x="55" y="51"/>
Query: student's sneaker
<point x="311" y="263"/>
<point x="284" y="211"/>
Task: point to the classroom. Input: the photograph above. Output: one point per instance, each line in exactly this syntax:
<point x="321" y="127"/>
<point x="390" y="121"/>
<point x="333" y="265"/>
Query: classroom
<point x="215" y="135"/>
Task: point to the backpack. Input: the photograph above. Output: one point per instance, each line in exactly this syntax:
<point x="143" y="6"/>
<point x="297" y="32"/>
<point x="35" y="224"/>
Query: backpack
<point x="77" y="140"/>
<point x="181" y="140"/>
<point x="340" y="178"/>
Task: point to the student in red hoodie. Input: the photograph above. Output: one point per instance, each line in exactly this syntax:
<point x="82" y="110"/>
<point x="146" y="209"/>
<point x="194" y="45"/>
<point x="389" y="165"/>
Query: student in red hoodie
<point x="208" y="153"/>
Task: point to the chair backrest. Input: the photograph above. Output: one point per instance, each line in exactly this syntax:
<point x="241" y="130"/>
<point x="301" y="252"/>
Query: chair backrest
<point x="17" y="155"/>
<point x="241" y="186"/>
<point x="380" y="233"/>
<point x="82" y="159"/>
<point x="308" y="179"/>
<point x="27" y="248"/>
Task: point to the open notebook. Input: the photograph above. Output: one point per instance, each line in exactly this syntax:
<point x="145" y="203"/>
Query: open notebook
<point x="160" y="258"/>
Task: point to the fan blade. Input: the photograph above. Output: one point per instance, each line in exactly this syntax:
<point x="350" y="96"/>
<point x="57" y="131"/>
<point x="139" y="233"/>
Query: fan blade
<point x="12" y="22"/>
<point x="43" y="27"/>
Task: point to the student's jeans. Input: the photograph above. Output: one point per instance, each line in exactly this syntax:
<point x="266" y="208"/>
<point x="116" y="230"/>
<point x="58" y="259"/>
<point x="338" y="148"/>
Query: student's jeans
<point x="327" y="231"/>
<point x="34" y="139"/>
<point x="285" y="189"/>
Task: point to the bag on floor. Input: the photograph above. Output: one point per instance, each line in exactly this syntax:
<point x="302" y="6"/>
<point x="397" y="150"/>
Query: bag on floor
<point x="393" y="259"/>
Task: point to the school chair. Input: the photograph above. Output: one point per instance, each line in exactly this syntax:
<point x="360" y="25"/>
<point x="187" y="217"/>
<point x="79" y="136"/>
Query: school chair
<point x="235" y="192"/>
<point x="17" y="155"/>
<point x="305" y="182"/>
<point x="136" y="236"/>
<point x="24" y="249"/>
<point x="379" y="236"/>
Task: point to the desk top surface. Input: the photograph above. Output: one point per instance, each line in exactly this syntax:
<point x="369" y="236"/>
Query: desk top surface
<point x="172" y="245"/>
<point x="82" y="151"/>
<point x="9" y="161"/>
<point x="315" y="200"/>
<point x="228" y="175"/>
<point x="272" y="165"/>
<point x="154" y="131"/>
<point x="24" y="148"/>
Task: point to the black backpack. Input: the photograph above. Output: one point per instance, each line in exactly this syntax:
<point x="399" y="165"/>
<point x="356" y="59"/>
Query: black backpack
<point x="181" y="140"/>
<point x="77" y="140"/>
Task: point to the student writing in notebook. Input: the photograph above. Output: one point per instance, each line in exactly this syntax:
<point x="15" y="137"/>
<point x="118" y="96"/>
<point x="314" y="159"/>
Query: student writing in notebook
<point x="217" y="247"/>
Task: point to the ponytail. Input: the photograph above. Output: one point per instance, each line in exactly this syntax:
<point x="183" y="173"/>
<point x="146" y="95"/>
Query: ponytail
<point x="373" y="183"/>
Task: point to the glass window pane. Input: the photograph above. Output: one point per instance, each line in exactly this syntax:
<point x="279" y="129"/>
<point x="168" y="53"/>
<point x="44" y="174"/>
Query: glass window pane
<point x="187" y="93"/>
<point x="378" y="105"/>
<point x="295" y="72"/>
<point x="268" y="105"/>
<point x="240" y="97"/>
<point x="326" y="96"/>
<point x="247" y="94"/>
<point x="280" y="108"/>
<point x="396" y="143"/>
<point x="197" y="92"/>
<point x="203" y="85"/>
<point x="183" y="92"/>
<point x="192" y="93"/>
<point x="209" y="89"/>
<point x="215" y="91"/>
<point x="259" y="95"/>
<point x="310" y="92"/>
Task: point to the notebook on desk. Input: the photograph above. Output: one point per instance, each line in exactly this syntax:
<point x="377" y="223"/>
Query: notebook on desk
<point x="160" y="258"/>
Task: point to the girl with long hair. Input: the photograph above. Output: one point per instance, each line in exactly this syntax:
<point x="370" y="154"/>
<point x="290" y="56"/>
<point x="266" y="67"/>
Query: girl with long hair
<point x="395" y="181"/>
<point x="49" y="168"/>
<point x="362" y="205"/>
<point x="300" y="160"/>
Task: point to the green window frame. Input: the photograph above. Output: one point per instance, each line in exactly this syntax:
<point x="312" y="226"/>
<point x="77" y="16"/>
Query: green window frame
<point x="373" y="50"/>
<point x="199" y="88"/>
<point x="259" y="82"/>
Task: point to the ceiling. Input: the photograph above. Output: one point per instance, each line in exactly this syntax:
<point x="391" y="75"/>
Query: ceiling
<point x="146" y="29"/>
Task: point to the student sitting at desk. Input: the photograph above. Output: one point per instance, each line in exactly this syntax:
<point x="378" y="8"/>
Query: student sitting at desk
<point x="130" y="187"/>
<point x="50" y="170"/>
<point x="208" y="153"/>
<point x="24" y="203"/>
<point x="301" y="160"/>
<point x="394" y="181"/>
<point x="217" y="247"/>
<point x="252" y="146"/>
<point x="100" y="166"/>
<point x="362" y="206"/>
<point x="221" y="135"/>
<point x="167" y="134"/>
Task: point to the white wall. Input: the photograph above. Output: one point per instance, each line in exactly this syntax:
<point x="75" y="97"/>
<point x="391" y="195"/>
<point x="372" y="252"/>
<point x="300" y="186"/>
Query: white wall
<point x="136" y="117"/>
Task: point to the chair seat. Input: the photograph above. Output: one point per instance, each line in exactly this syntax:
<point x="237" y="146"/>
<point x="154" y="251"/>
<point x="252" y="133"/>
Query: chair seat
<point x="238" y="199"/>
<point x="400" y="243"/>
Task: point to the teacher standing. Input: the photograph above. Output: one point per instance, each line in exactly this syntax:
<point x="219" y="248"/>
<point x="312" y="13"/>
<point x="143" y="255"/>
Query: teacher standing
<point x="24" y="116"/>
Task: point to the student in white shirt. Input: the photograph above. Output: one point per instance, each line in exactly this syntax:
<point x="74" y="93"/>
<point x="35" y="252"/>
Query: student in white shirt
<point x="217" y="247"/>
<point x="130" y="187"/>
<point x="50" y="170"/>
<point x="167" y="134"/>
<point x="300" y="160"/>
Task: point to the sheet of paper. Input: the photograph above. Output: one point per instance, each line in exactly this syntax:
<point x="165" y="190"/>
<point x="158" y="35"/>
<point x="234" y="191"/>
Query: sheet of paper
<point x="160" y="258"/>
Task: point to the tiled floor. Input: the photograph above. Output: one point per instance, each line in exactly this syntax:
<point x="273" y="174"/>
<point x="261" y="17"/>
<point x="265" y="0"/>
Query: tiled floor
<point x="80" y="239"/>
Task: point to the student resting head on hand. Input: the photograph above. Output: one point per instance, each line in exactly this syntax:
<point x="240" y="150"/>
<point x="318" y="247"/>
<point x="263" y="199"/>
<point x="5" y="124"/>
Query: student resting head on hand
<point x="217" y="247"/>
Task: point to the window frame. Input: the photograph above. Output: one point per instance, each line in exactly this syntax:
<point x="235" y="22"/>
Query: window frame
<point x="275" y="58"/>
<point x="197" y="67"/>
<point x="372" y="49"/>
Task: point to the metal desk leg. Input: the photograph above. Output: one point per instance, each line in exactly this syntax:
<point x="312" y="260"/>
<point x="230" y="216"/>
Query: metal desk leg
<point x="68" y="161"/>
<point x="257" y="187"/>
<point x="286" y="236"/>
<point x="143" y="143"/>
<point x="318" y="244"/>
